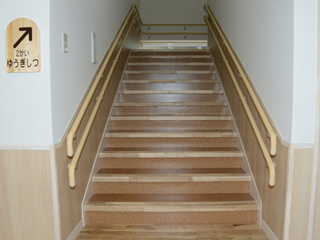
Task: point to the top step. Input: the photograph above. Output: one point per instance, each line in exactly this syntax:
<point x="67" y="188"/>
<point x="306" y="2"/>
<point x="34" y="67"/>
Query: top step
<point x="170" y="50"/>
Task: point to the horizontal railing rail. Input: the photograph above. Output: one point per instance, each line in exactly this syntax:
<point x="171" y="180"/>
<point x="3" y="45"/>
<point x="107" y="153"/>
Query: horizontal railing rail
<point x="84" y="107"/>
<point x="165" y="24"/>
<point x="265" y="120"/>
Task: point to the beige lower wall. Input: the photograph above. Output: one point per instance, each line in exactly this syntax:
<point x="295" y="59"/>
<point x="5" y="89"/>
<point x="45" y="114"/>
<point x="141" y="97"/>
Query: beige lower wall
<point x="26" y="201"/>
<point x="299" y="193"/>
<point x="70" y="200"/>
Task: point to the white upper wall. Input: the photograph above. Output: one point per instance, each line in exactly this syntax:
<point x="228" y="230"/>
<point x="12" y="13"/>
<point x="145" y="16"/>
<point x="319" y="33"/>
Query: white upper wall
<point x="275" y="41"/>
<point x="72" y="72"/>
<point x="25" y="105"/>
<point x="172" y="11"/>
<point x="304" y="71"/>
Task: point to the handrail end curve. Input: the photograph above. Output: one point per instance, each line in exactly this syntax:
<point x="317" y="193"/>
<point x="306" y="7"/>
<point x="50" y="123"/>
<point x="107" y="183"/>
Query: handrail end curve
<point x="272" y="182"/>
<point x="273" y="151"/>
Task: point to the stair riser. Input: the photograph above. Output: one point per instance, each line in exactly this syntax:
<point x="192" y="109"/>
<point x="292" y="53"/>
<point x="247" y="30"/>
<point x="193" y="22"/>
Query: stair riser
<point x="170" y="68"/>
<point x="170" y="125"/>
<point x="170" y="53"/>
<point x="164" y="60"/>
<point x="171" y="98"/>
<point x="236" y="217"/>
<point x="170" y="76"/>
<point x="171" y="86"/>
<point x="169" y="111"/>
<point x="171" y="188"/>
<point x="170" y="163"/>
<point x="198" y="142"/>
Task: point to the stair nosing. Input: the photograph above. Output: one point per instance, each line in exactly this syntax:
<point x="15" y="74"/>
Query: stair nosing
<point x="217" y="206"/>
<point x="171" y="64"/>
<point x="170" y="104"/>
<point x="172" y="72"/>
<point x="145" y="92"/>
<point x="172" y="178"/>
<point x="172" y="56"/>
<point x="196" y="81"/>
<point x="171" y="118"/>
<point x="170" y="154"/>
<point x="206" y="134"/>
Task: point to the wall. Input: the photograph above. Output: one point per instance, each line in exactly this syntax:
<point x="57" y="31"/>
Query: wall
<point x="172" y="11"/>
<point x="288" y="208"/>
<point x="70" y="200"/>
<point x="71" y="72"/>
<point x="25" y="97"/>
<point x="26" y="201"/>
<point x="305" y="71"/>
<point x="276" y="43"/>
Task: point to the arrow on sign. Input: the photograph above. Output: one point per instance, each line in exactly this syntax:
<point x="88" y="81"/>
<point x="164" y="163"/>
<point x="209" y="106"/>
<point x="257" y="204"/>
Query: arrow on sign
<point x="28" y="31"/>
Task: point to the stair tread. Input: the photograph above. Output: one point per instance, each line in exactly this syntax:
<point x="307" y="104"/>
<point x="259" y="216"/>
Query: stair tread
<point x="155" y="104"/>
<point x="171" y="175"/>
<point x="171" y="118"/>
<point x="172" y="206"/>
<point x="171" y="197"/>
<point x="171" y="64"/>
<point x="170" y="72"/>
<point x="170" y="152"/>
<point x="170" y="92"/>
<point x="171" y="134"/>
<point x="169" y="81"/>
<point x="172" y="56"/>
<point x="171" y="171"/>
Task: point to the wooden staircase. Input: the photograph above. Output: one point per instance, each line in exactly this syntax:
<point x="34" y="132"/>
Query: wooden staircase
<point x="171" y="156"/>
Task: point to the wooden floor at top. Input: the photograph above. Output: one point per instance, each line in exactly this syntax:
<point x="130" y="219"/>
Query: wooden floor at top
<point x="175" y="232"/>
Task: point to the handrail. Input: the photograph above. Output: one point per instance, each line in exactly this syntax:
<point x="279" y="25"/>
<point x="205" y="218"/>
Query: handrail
<point x="265" y="120"/>
<point x="173" y="33"/>
<point x="84" y="137"/>
<point x="247" y="110"/>
<point x="94" y="86"/>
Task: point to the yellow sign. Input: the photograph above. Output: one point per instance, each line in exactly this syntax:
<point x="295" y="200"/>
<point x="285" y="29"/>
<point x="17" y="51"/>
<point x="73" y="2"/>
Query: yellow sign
<point x="22" y="46"/>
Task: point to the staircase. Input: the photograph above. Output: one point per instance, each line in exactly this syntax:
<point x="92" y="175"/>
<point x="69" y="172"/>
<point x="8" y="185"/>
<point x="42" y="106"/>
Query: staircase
<point x="171" y="156"/>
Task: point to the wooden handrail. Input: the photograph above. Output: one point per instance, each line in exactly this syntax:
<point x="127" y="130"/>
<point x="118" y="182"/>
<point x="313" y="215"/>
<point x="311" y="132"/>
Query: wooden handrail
<point x="247" y="110"/>
<point x="85" y="134"/>
<point x="265" y="120"/>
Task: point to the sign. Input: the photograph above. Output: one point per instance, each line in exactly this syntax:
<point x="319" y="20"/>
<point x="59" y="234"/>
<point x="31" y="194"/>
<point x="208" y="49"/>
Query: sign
<point x="22" y="46"/>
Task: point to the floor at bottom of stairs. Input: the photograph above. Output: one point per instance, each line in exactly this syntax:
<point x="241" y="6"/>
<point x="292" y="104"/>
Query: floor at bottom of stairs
<point x="176" y="232"/>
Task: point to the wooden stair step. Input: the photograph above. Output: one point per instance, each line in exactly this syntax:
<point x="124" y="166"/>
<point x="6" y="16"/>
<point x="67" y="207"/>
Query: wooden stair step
<point x="171" y="153"/>
<point x="170" y="68"/>
<point x="171" y="56"/>
<point x="142" y="92"/>
<point x="231" y="197"/>
<point x="151" y="176"/>
<point x="172" y="206"/>
<point x="169" y="50"/>
<point x="156" y="134"/>
<point x="170" y="64"/>
<point x="157" y="104"/>
<point x="172" y="72"/>
<point x="171" y="118"/>
<point x="168" y="81"/>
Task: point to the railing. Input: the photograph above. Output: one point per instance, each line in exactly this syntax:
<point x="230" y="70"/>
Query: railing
<point x="75" y="126"/>
<point x="265" y="120"/>
<point x="167" y="25"/>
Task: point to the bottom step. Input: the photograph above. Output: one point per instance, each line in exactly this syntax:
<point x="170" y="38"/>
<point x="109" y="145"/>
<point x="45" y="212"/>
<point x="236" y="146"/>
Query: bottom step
<point x="171" y="209"/>
<point x="231" y="217"/>
<point x="169" y="232"/>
